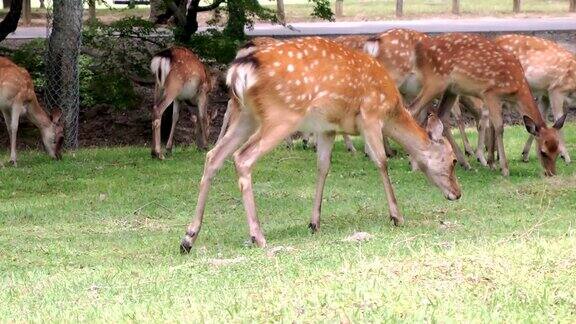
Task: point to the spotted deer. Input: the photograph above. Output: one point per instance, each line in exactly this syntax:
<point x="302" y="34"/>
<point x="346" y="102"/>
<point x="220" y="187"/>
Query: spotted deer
<point x="180" y="76"/>
<point x="550" y="70"/>
<point x="316" y="85"/>
<point x="396" y="50"/>
<point x="455" y="63"/>
<point x="309" y="139"/>
<point x="17" y="98"/>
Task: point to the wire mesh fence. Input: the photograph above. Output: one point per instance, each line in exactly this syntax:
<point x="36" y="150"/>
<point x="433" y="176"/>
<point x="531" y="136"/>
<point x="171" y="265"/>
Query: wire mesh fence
<point x="63" y="42"/>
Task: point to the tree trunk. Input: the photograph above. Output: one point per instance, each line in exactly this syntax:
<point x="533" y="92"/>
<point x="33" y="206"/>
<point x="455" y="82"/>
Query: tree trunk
<point x="399" y="8"/>
<point x="10" y="22"/>
<point x="6" y="4"/>
<point x="455" y="7"/>
<point x="572" y="5"/>
<point x="27" y="13"/>
<point x="516" y="7"/>
<point x="63" y="48"/>
<point x="281" y="14"/>
<point x="339" y="10"/>
<point x="92" y="12"/>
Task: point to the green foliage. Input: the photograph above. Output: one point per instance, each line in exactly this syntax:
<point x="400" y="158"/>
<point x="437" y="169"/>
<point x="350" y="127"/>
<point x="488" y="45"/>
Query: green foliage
<point x="214" y="45"/>
<point x="121" y="52"/>
<point x="322" y="9"/>
<point x="31" y="57"/>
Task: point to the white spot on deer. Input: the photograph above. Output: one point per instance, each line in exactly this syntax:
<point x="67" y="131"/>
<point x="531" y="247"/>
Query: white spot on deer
<point x="276" y="64"/>
<point x="290" y="54"/>
<point x="299" y="55"/>
<point x="272" y="73"/>
<point x="290" y="68"/>
<point x="278" y="87"/>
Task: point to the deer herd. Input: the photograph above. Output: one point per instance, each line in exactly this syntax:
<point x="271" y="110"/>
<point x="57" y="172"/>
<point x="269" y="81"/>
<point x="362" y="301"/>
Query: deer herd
<point x="379" y="87"/>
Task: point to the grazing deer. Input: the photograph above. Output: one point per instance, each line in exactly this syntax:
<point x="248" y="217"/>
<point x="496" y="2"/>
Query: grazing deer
<point x="180" y="76"/>
<point x="17" y="98"/>
<point x="315" y="85"/>
<point x="307" y="138"/>
<point x="396" y="50"/>
<point x="550" y="70"/>
<point x="472" y="65"/>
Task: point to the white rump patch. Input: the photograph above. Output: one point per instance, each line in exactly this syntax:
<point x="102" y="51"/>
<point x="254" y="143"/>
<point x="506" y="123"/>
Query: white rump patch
<point x="372" y="48"/>
<point x="240" y="78"/>
<point x="245" y="51"/>
<point x="160" y="66"/>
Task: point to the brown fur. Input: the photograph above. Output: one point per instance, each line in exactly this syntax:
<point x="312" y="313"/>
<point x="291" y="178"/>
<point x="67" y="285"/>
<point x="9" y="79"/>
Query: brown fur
<point x="188" y="79"/>
<point x="317" y="85"/>
<point x="473" y="65"/>
<point x="17" y="97"/>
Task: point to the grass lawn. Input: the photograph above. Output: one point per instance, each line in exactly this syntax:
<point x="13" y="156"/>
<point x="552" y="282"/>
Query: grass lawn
<point x="95" y="237"/>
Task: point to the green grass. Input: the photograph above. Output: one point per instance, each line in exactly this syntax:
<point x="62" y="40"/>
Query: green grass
<point x="95" y="237"/>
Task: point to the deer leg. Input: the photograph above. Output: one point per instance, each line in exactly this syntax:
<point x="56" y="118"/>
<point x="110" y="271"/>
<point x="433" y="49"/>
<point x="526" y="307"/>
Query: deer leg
<point x="490" y="147"/>
<point x="449" y="100"/>
<point x="225" y="120"/>
<point x="239" y="131"/>
<point x="265" y="139"/>
<point x="8" y="121"/>
<point x="390" y="152"/>
<point x="175" y="115"/>
<point x="528" y="145"/>
<point x="427" y="94"/>
<point x="324" y="150"/>
<point x="349" y="145"/>
<point x="557" y="105"/>
<point x="12" y="119"/>
<point x="160" y="106"/>
<point x="203" y="127"/>
<point x="483" y="128"/>
<point x="457" y="112"/>
<point x="495" y="107"/>
<point x="372" y="133"/>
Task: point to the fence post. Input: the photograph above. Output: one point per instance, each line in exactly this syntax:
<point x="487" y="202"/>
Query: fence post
<point x="572" y="5"/>
<point x="516" y="8"/>
<point x="455" y="7"/>
<point x="339" y="8"/>
<point x="399" y="8"/>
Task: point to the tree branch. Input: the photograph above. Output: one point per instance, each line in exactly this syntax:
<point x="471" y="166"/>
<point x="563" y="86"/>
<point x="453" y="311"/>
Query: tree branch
<point x="10" y="22"/>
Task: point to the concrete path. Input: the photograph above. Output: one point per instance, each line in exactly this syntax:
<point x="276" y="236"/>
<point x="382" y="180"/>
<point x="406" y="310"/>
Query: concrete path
<point x="372" y="27"/>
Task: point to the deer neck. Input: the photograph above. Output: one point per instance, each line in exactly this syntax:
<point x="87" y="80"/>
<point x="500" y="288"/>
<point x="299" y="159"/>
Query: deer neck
<point x="528" y="107"/>
<point x="404" y="129"/>
<point x="38" y="116"/>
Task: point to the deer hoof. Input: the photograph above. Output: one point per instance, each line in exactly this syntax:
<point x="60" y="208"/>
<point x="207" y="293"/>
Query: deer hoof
<point x="258" y="241"/>
<point x="157" y="155"/>
<point x="13" y="163"/>
<point x="397" y="220"/>
<point x="391" y="154"/>
<point x="187" y="242"/>
<point x="313" y="228"/>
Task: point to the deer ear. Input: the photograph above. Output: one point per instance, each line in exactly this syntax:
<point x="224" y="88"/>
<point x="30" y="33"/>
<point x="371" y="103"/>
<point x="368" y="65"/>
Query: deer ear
<point x="56" y="114"/>
<point x="531" y="126"/>
<point x="434" y="128"/>
<point x="560" y="122"/>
